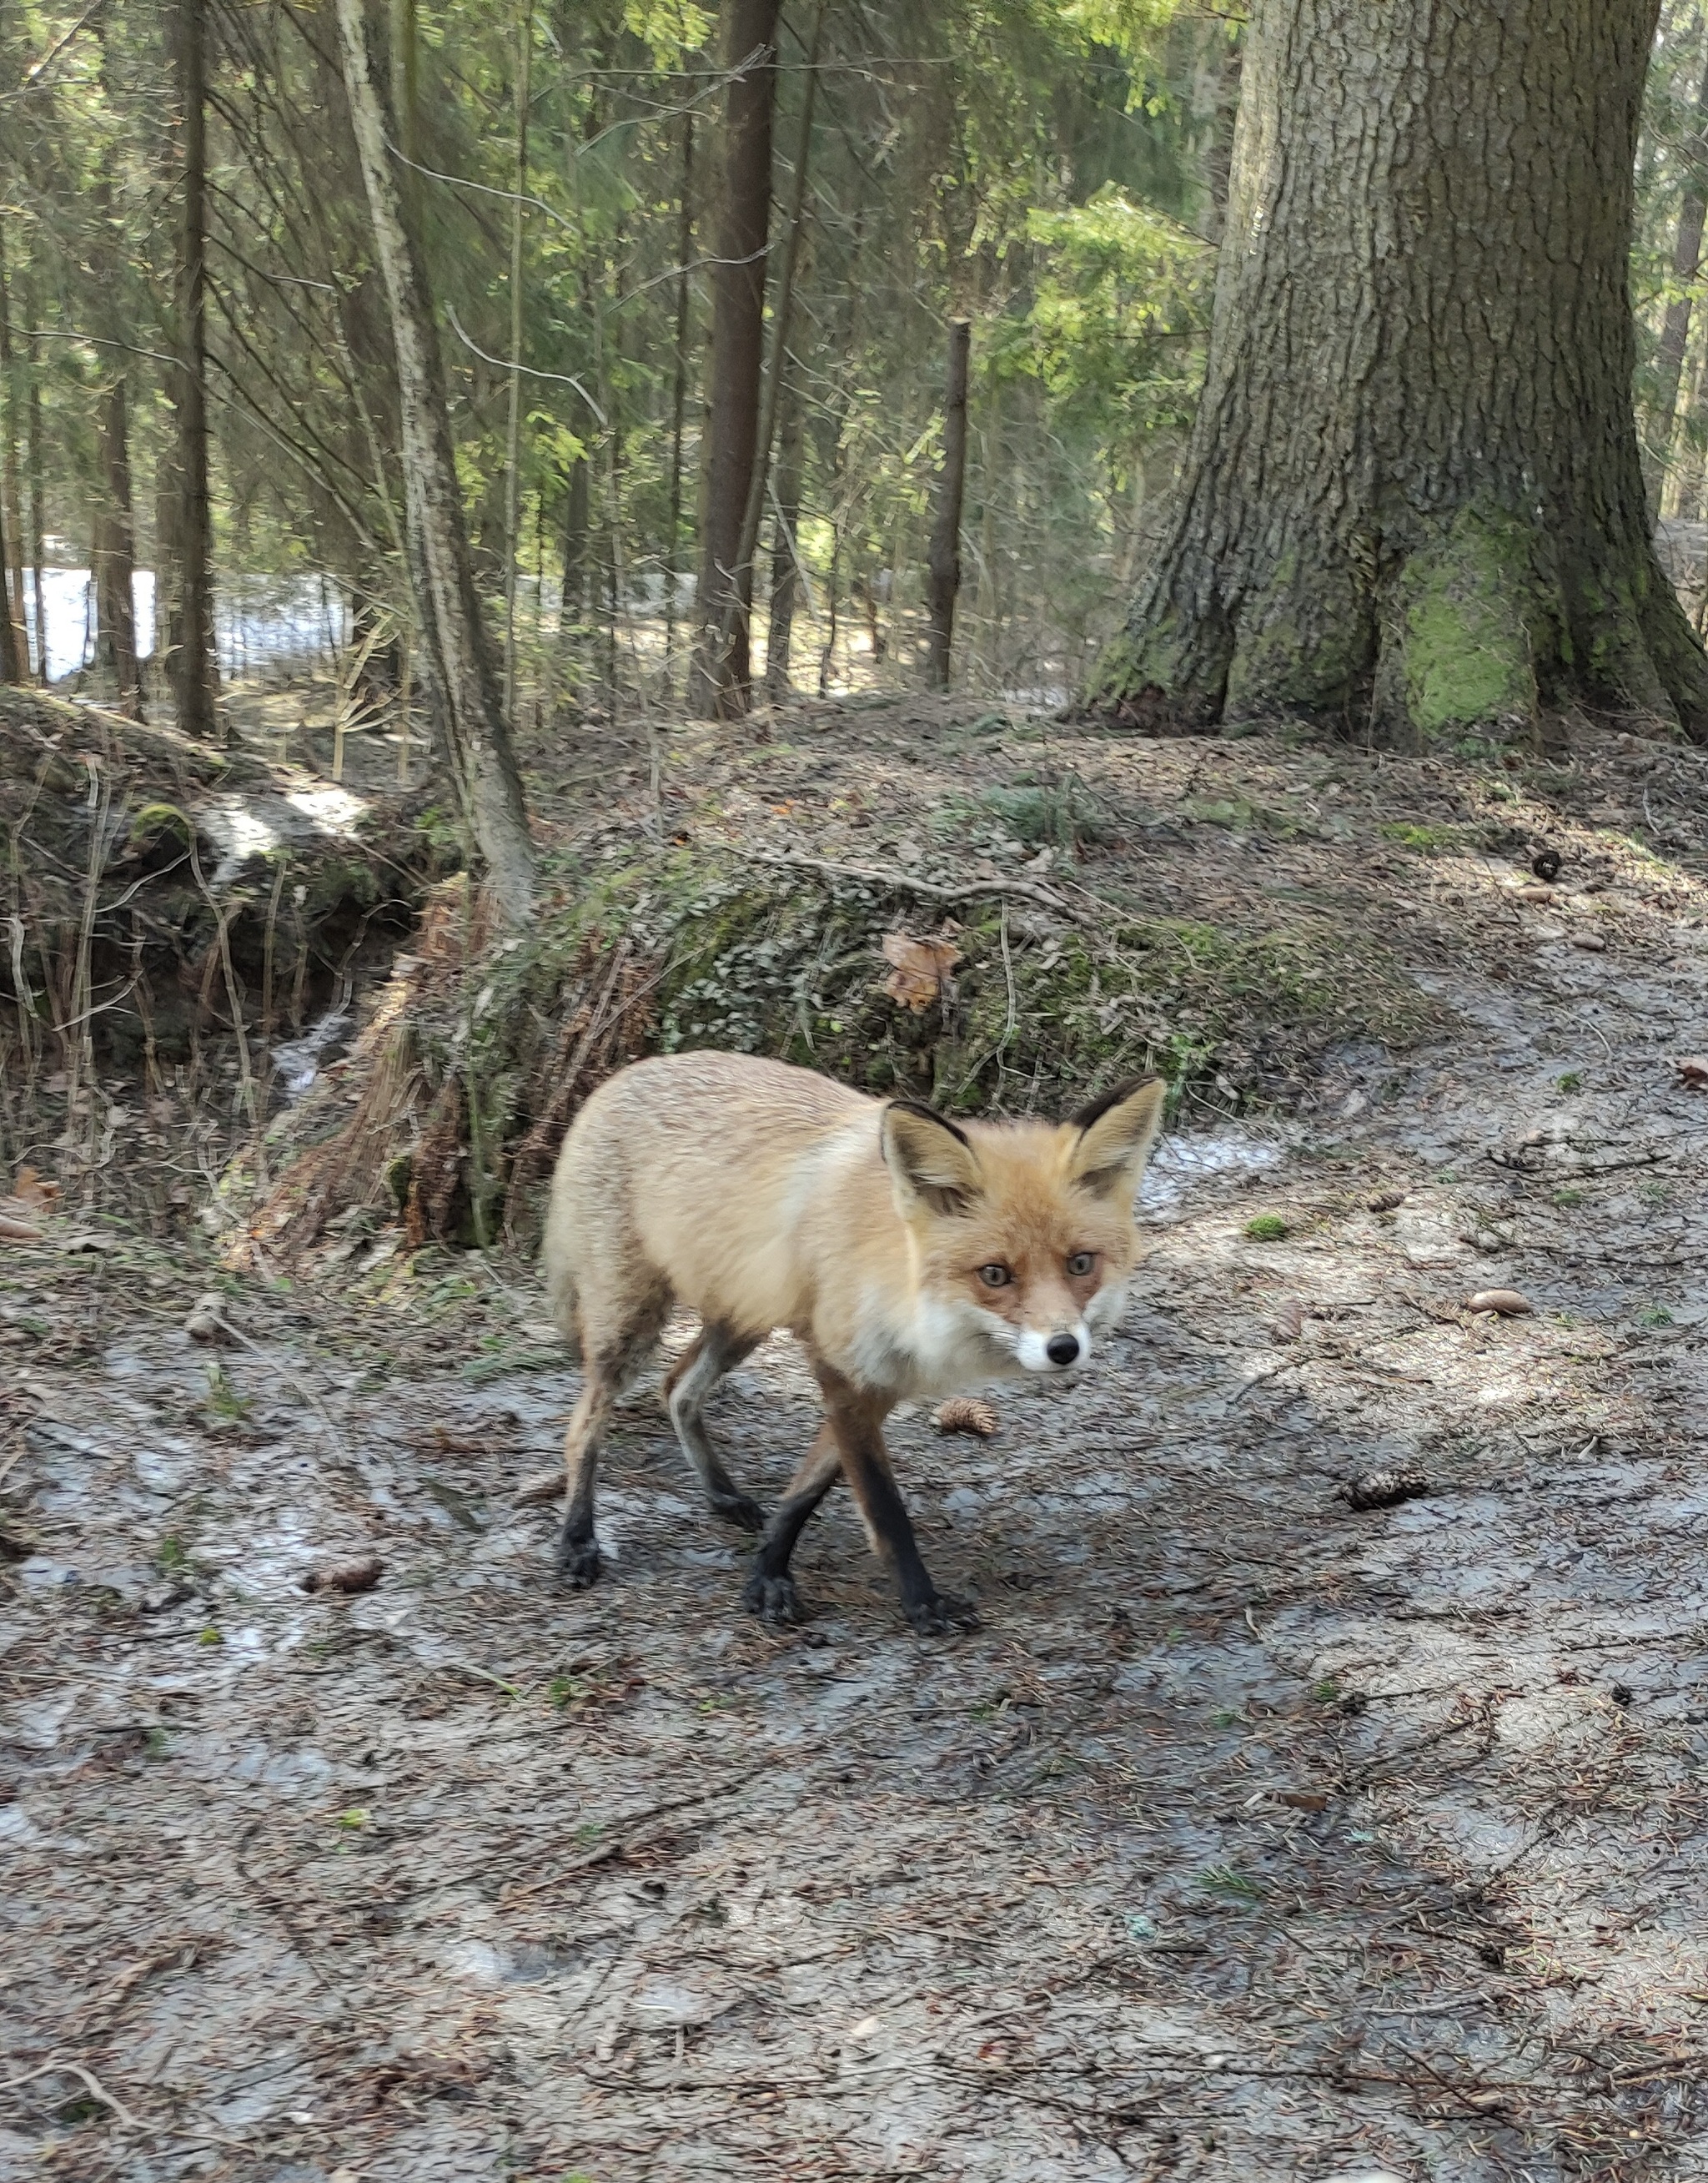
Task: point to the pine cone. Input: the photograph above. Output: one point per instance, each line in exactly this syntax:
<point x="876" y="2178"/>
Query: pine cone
<point x="361" y="1575"/>
<point x="1384" y="1489"/>
<point x="968" y="1413"/>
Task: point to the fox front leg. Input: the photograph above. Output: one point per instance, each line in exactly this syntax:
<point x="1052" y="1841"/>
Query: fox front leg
<point x="856" y="1420"/>
<point x="769" y="1592"/>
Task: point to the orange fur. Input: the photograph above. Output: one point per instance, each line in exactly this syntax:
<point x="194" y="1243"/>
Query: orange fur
<point x="911" y="1257"/>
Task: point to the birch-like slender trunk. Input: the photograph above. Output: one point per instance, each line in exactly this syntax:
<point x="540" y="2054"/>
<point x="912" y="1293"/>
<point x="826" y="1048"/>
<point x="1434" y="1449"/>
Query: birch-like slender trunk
<point x="452" y="635"/>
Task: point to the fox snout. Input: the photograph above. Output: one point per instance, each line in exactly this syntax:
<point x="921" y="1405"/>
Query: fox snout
<point x="1052" y="1349"/>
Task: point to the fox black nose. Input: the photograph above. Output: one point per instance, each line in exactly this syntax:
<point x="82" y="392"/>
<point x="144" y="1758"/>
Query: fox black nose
<point x="1061" y="1348"/>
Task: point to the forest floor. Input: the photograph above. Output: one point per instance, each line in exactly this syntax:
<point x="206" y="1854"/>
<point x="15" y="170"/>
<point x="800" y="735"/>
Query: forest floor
<point x="1250" y="1837"/>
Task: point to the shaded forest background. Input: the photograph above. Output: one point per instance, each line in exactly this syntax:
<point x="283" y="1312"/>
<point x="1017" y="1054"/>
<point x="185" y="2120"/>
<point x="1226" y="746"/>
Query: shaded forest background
<point x="1053" y="174"/>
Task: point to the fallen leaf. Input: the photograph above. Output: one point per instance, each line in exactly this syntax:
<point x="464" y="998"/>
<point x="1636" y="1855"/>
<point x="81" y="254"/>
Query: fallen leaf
<point x="1592" y="943"/>
<point x="1303" y="1800"/>
<point x="967" y="1413"/>
<point x="922" y="969"/>
<point x="360" y="1574"/>
<point x="1694" y="1068"/>
<point x="1507" y="1302"/>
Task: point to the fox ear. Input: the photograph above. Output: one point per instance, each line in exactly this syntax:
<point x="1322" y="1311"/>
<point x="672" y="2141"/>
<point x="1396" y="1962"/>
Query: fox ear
<point x="931" y="1163"/>
<point x="1116" y="1135"/>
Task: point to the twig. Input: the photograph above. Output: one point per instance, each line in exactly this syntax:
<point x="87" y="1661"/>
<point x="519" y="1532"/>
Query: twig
<point x="904" y="883"/>
<point x="59" y="2066"/>
<point x="620" y="1845"/>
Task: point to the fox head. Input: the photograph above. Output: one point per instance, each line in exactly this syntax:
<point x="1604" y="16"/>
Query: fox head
<point x="1024" y="1232"/>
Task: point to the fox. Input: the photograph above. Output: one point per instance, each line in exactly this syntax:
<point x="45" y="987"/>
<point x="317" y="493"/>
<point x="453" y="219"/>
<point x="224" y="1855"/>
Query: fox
<point x="911" y="1256"/>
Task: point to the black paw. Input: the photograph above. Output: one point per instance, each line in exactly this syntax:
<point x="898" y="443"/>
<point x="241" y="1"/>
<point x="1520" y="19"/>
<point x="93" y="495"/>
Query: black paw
<point x="773" y="1598"/>
<point x="740" y="1510"/>
<point x="940" y="1612"/>
<point x="579" y="1562"/>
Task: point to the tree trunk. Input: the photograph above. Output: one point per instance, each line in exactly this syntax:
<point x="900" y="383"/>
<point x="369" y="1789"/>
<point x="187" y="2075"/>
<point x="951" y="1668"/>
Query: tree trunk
<point x="38" y="515"/>
<point x="785" y="580"/>
<point x="194" y="665"/>
<point x="1412" y="496"/>
<point x="13" y="668"/>
<point x="678" y="390"/>
<point x="458" y="653"/>
<point x="11" y="500"/>
<point x="513" y="429"/>
<point x="1675" y="328"/>
<point x="944" y="558"/>
<point x="721" y="677"/>
<point x="115" y="559"/>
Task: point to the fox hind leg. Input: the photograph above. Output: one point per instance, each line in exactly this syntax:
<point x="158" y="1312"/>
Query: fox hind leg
<point x="715" y="1350"/>
<point x="616" y="1339"/>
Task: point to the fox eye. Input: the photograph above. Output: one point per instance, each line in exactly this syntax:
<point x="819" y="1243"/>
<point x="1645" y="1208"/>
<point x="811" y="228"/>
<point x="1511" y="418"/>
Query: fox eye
<point x="995" y="1277"/>
<point x="1081" y="1262"/>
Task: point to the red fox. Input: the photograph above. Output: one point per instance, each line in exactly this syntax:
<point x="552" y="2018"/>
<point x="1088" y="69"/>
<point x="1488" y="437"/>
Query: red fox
<point x="911" y="1256"/>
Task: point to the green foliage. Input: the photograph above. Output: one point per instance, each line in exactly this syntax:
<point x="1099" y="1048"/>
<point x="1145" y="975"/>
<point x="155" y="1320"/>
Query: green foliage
<point x="1267" y="1228"/>
<point x="1111" y="334"/>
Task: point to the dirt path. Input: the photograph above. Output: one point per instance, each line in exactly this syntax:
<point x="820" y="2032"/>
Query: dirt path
<point x="1251" y="1837"/>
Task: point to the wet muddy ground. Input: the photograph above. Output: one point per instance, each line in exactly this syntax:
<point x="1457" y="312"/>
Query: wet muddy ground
<point x="1252" y="1836"/>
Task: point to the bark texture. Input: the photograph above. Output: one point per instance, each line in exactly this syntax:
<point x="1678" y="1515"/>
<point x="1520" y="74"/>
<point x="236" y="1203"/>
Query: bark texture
<point x="115" y="559"/>
<point x="784" y="574"/>
<point x="455" y="651"/>
<point x="943" y="562"/>
<point x="11" y="496"/>
<point x="721" y="674"/>
<point x="1413" y="495"/>
<point x="193" y="665"/>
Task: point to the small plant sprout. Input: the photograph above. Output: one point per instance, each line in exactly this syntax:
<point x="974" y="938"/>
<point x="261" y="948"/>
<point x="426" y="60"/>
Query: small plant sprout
<point x="1267" y="1228"/>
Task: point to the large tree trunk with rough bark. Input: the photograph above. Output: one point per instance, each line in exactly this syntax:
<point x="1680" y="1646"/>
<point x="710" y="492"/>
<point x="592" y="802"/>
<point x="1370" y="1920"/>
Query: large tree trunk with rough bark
<point x="1412" y="498"/>
<point x="455" y="650"/>
<point x="720" y="677"/>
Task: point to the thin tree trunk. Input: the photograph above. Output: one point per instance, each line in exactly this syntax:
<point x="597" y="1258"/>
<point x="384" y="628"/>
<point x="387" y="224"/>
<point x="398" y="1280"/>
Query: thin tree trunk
<point x="116" y="560"/>
<point x="678" y="393"/>
<point x="12" y="668"/>
<point x="38" y="516"/>
<point x="738" y="605"/>
<point x="453" y="636"/>
<point x="720" y="674"/>
<point x="513" y="431"/>
<point x="11" y="496"/>
<point x="195" y="675"/>
<point x="1675" y="328"/>
<point x="944" y="559"/>
<point x="1413" y="498"/>
<point x="784" y="574"/>
<point x="572" y="611"/>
